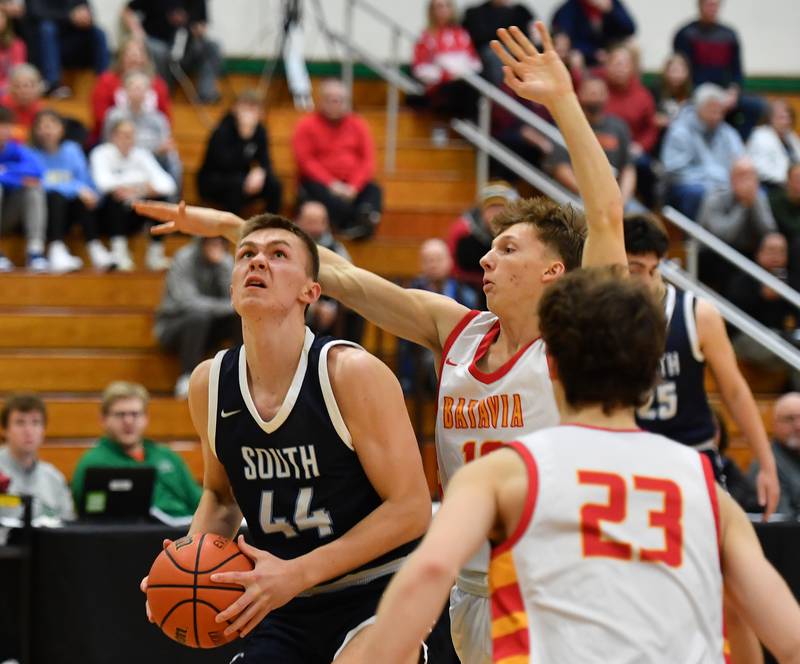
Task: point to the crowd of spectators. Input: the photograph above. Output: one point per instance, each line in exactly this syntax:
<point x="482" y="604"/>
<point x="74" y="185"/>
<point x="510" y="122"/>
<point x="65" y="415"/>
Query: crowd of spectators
<point x="694" y="140"/>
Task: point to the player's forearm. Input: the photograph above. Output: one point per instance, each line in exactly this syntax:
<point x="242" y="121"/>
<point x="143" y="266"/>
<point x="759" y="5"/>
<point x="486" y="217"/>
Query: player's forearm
<point x="742" y="407"/>
<point x="597" y="185"/>
<point x="215" y="516"/>
<point x="229" y="224"/>
<point x="408" y="609"/>
<point x="380" y="301"/>
<point x="389" y="526"/>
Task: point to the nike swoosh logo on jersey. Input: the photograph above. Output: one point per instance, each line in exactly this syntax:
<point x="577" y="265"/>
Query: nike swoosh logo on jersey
<point x="450" y="362"/>
<point x="223" y="414"/>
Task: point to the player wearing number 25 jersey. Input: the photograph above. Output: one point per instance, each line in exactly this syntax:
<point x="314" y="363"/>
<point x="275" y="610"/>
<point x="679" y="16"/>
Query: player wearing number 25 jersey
<point x="609" y="543"/>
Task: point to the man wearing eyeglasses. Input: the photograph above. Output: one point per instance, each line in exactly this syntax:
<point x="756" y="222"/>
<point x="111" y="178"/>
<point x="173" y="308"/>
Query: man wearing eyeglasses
<point x="786" y="448"/>
<point x="124" y="418"/>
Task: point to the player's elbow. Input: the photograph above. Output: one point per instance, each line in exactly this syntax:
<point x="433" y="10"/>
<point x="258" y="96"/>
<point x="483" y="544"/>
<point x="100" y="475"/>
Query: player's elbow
<point x="416" y="515"/>
<point x="433" y="570"/>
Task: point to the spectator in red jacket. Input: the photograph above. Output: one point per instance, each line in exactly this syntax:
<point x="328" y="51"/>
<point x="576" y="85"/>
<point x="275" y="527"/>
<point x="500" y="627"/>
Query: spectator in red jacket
<point x="442" y="53"/>
<point x="12" y="51"/>
<point x="630" y="101"/>
<point x="132" y="55"/>
<point x="336" y="163"/>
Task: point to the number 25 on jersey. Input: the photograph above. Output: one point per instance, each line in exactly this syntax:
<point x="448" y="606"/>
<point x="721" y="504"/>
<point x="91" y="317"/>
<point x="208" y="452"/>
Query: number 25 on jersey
<point x="615" y="510"/>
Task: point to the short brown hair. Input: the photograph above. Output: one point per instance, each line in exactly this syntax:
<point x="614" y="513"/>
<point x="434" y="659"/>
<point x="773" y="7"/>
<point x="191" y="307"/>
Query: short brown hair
<point x="267" y="220"/>
<point x="122" y="389"/>
<point x="250" y="97"/>
<point x="606" y="335"/>
<point x="559" y="227"/>
<point x="22" y="403"/>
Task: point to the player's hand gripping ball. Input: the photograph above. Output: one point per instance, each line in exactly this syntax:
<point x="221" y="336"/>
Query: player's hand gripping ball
<point x="182" y="598"/>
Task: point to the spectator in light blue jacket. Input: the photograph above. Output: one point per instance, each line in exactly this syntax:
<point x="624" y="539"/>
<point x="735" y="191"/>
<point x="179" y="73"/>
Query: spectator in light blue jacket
<point x="71" y="194"/>
<point x="699" y="150"/>
<point x="22" y="195"/>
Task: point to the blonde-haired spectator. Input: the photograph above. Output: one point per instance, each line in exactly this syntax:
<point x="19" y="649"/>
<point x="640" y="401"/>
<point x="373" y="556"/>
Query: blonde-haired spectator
<point x="24" y="96"/>
<point x="124" y="416"/>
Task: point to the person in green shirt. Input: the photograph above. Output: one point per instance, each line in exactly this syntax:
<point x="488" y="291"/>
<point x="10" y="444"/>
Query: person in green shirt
<point x="785" y="203"/>
<point x="124" y="416"/>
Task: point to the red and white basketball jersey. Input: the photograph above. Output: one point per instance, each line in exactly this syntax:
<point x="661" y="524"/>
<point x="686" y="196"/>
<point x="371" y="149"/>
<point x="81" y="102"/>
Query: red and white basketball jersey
<point x="478" y="412"/>
<point x="616" y="557"/>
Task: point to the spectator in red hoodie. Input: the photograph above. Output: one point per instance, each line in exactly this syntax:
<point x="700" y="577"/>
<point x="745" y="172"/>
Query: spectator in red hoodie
<point x="442" y="53"/>
<point x="336" y="163"/>
<point x="108" y="89"/>
<point x="630" y="101"/>
<point x="24" y="96"/>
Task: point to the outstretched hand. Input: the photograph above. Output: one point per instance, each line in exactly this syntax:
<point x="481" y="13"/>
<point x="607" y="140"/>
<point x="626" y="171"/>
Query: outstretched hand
<point x="540" y="77"/>
<point x="189" y="219"/>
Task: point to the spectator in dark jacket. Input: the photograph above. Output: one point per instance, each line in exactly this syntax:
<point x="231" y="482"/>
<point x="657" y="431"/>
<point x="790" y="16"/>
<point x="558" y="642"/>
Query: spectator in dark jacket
<point x="416" y="365"/>
<point x="785" y="204"/>
<point x="237" y="169"/>
<point x="176" y="32"/>
<point x="482" y="23"/>
<point x="594" y="25"/>
<point x="765" y="305"/>
<point x="196" y="313"/>
<point x="715" y="56"/>
<point x="68" y="37"/>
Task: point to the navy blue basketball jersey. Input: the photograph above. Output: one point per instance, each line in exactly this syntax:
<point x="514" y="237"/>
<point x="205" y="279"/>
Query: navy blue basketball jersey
<point x="296" y="477"/>
<point x="678" y="407"/>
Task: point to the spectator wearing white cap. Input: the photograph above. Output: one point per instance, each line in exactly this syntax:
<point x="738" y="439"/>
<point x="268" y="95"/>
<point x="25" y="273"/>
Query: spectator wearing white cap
<point x="470" y="237"/>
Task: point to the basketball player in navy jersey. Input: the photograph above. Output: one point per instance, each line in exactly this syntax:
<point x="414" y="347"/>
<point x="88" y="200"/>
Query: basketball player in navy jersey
<point x="679" y="409"/>
<point x="610" y="543"/>
<point x="696" y="337"/>
<point x="310" y="440"/>
<point x="493" y="375"/>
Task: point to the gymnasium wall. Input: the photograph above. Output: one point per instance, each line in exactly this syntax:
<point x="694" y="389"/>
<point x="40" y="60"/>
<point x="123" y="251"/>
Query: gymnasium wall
<point x="250" y="28"/>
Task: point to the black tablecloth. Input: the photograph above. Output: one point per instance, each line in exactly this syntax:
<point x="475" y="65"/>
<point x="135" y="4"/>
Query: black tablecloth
<point x="86" y="604"/>
<point x="87" y="608"/>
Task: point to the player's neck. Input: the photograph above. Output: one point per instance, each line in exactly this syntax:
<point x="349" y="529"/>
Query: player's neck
<point x="273" y="351"/>
<point x="593" y="416"/>
<point x="517" y="330"/>
<point x="25" y="460"/>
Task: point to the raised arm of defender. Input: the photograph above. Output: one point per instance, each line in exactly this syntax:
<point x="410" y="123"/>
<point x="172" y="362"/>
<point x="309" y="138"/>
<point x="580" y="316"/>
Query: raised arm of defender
<point x="543" y="78"/>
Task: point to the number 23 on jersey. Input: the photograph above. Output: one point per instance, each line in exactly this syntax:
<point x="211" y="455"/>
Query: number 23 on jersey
<point x="669" y="519"/>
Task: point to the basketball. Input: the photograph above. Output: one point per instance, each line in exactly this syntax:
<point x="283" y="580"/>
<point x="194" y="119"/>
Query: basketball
<point x="183" y="600"/>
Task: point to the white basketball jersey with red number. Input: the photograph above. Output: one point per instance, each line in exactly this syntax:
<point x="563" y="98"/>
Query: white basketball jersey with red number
<point x="478" y="411"/>
<point x="616" y="557"/>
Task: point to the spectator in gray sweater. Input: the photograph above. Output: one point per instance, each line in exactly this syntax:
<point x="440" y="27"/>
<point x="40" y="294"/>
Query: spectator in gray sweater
<point x="699" y="150"/>
<point x="196" y="314"/>
<point x="739" y="215"/>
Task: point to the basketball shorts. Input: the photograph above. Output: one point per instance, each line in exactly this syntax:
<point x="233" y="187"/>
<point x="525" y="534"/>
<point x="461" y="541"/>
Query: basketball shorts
<point x="313" y="630"/>
<point x="471" y="627"/>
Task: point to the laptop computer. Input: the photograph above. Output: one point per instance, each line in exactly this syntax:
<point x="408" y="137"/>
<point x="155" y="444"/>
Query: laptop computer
<point x="117" y="494"/>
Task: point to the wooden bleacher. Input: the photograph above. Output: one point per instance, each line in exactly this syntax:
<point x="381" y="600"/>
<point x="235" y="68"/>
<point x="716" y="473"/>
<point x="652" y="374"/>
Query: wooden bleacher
<point x="69" y="336"/>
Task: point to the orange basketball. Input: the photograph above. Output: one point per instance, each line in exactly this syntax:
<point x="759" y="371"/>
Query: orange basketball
<point x="183" y="600"/>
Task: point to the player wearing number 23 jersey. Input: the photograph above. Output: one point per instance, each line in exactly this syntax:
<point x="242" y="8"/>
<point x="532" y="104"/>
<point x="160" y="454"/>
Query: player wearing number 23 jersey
<point x="619" y="543"/>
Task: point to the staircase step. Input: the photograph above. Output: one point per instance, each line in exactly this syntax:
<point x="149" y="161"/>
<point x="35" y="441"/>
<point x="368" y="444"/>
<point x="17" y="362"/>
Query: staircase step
<point x="68" y="328"/>
<point x="83" y="371"/>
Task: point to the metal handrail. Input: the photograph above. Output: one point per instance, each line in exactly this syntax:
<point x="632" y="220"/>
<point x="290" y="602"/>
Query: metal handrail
<point x="392" y="76"/>
<point x="731" y="313"/>
<point x="735" y="316"/>
<point x="731" y="255"/>
<point x="514" y="107"/>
